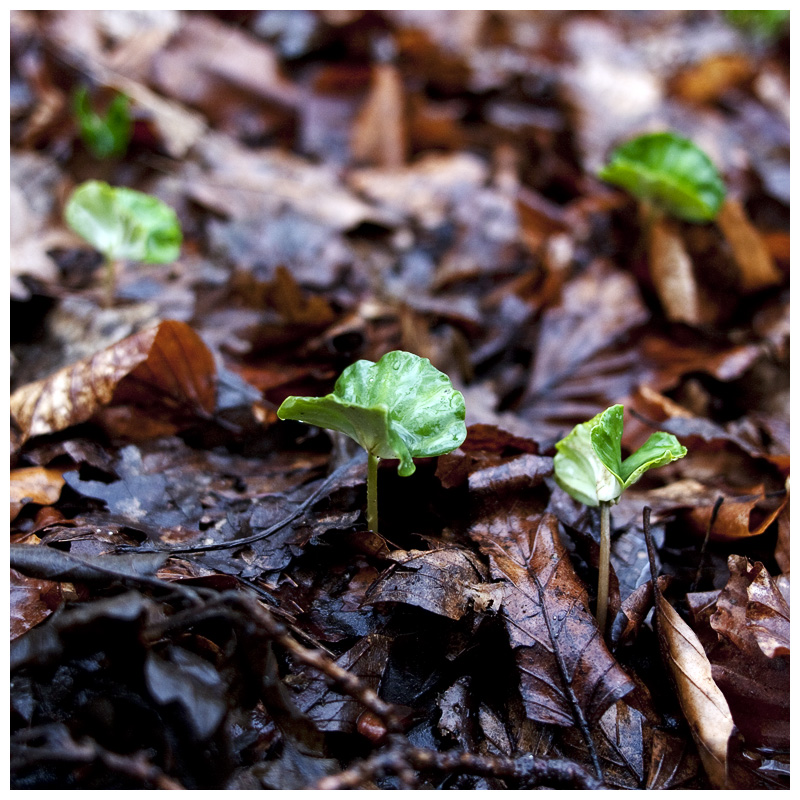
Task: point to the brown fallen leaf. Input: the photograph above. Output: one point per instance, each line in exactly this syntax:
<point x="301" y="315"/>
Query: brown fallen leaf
<point x="707" y="81"/>
<point x="739" y="517"/>
<point x="166" y="364"/>
<point x="564" y="666"/>
<point x="32" y="600"/>
<point x="447" y="581"/>
<point x="34" y="485"/>
<point x="379" y="135"/>
<point x="757" y="269"/>
<point x="745" y="632"/>
<point x="702" y="701"/>
<point x="672" y="273"/>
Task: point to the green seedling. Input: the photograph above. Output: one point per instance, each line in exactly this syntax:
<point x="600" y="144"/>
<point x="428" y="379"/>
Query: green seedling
<point x="589" y="467"/>
<point x="764" y="24"/>
<point x="399" y="407"/>
<point x="124" y="225"/>
<point x="108" y="135"/>
<point x="671" y="173"/>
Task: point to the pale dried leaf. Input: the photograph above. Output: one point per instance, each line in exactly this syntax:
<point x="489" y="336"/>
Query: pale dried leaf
<point x="379" y="134"/>
<point x="672" y="273"/>
<point x="703" y="704"/>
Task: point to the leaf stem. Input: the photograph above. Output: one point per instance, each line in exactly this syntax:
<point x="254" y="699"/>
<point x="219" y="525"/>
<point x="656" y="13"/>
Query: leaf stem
<point x="372" y="492"/>
<point x="605" y="558"/>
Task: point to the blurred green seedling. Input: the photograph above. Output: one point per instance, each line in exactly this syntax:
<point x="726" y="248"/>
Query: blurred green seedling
<point x="105" y="135"/>
<point x="398" y="407"/>
<point x="671" y="173"/>
<point x="124" y="225"/>
<point x="589" y="467"/>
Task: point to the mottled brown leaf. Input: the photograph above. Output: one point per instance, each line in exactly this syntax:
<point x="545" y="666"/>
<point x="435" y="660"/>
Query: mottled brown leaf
<point x="32" y="600"/>
<point x="166" y="364"/>
<point x="559" y="651"/>
<point x="702" y="701"/>
<point x="447" y="581"/>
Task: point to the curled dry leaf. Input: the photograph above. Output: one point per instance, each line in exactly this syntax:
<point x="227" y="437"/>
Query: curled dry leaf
<point x="167" y="364"/>
<point x="560" y="654"/>
<point x="739" y="517"/>
<point x="34" y="485"/>
<point x="702" y="701"/>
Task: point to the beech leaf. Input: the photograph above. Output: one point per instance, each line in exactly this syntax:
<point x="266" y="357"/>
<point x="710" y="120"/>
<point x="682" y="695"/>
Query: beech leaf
<point x="399" y="407"/>
<point x="168" y="361"/>
<point x="703" y="704"/>
<point x="551" y="626"/>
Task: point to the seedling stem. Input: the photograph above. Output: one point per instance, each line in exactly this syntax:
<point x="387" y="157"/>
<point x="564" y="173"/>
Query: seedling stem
<point x="372" y="492"/>
<point x="605" y="557"/>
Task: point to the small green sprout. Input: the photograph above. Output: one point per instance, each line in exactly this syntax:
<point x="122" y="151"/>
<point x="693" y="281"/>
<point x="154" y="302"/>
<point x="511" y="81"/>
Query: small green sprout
<point x="762" y="24"/>
<point x="124" y="225"/>
<point x="400" y="407"/>
<point x="589" y="467"/>
<point x="108" y="135"/>
<point x="670" y="172"/>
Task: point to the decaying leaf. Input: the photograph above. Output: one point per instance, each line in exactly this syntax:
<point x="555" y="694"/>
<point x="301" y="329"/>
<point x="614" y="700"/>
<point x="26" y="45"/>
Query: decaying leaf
<point x="703" y="704"/>
<point x="167" y="363"/>
<point x="379" y="135"/>
<point x="32" y="600"/>
<point x="547" y="617"/>
<point x="745" y="629"/>
<point x="446" y="581"/>
<point x="739" y="517"/>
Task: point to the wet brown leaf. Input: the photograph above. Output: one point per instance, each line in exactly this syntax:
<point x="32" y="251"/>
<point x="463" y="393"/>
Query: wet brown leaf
<point x="167" y="364"/>
<point x="745" y="629"/>
<point x="32" y="600"/>
<point x="702" y="702"/>
<point x="446" y="581"/>
<point x="546" y="614"/>
<point x="739" y="517"/>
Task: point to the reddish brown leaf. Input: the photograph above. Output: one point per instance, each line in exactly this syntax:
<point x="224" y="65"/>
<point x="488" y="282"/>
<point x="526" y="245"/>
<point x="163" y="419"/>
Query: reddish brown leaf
<point x="32" y="600"/>
<point x="734" y="626"/>
<point x="546" y="613"/>
<point x="166" y="364"/>
<point x="739" y="517"/>
<point x="379" y="135"/>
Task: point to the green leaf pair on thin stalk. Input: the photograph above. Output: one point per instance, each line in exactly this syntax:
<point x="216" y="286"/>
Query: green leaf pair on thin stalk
<point x="589" y="467"/>
<point x="105" y="135"/>
<point x="398" y="407"/>
<point x="124" y="225"/>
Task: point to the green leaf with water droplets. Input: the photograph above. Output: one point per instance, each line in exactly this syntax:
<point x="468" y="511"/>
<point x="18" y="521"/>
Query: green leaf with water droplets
<point x="398" y="407"/>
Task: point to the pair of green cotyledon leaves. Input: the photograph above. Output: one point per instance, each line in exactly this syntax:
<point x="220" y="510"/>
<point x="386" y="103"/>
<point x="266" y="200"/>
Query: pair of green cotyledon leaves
<point x="124" y="224"/>
<point x="398" y="407"/>
<point x="402" y="407"/>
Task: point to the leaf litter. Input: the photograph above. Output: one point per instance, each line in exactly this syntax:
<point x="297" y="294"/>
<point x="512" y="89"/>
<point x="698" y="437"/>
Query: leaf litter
<point x="196" y="599"/>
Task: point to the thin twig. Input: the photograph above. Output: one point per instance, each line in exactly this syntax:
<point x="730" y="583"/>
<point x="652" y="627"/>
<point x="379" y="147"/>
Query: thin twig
<point x="711" y="521"/>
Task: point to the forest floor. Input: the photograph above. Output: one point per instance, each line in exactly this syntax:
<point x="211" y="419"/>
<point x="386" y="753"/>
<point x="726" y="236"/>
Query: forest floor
<point x="196" y="599"/>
